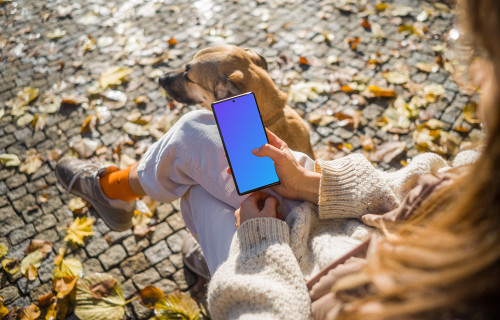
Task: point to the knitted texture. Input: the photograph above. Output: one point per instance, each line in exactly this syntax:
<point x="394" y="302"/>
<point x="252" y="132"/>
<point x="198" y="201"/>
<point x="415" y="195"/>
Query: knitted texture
<point x="270" y="260"/>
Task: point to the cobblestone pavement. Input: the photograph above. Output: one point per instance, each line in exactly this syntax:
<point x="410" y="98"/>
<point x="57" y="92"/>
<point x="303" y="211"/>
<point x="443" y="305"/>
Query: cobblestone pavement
<point x="311" y="50"/>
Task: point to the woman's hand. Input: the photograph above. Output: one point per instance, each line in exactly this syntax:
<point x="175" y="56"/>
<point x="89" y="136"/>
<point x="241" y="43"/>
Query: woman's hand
<point x="257" y="205"/>
<point x="296" y="182"/>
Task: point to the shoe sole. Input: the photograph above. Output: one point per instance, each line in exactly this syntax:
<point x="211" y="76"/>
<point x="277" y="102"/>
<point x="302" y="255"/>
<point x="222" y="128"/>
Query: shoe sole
<point x="94" y="204"/>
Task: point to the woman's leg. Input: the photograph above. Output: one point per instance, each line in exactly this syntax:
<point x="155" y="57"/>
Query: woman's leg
<point x="211" y="221"/>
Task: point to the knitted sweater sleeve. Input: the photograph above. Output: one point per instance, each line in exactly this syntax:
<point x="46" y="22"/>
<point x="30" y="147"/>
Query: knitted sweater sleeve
<point x="351" y="187"/>
<point x="261" y="278"/>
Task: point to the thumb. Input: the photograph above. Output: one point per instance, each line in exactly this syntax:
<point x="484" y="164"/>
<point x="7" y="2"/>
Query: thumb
<point x="270" y="207"/>
<point x="268" y="150"/>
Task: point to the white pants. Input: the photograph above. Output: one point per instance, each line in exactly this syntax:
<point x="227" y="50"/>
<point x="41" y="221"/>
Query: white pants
<point x="189" y="162"/>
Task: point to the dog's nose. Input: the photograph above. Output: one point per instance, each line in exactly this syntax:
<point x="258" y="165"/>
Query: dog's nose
<point x="164" y="80"/>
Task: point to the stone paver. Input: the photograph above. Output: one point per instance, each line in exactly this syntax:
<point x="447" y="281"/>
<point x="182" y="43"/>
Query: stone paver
<point x="124" y="33"/>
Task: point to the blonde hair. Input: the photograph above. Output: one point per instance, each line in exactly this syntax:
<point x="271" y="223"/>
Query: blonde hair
<point x="445" y="261"/>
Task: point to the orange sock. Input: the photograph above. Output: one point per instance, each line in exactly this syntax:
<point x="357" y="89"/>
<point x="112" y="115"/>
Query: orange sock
<point x="114" y="184"/>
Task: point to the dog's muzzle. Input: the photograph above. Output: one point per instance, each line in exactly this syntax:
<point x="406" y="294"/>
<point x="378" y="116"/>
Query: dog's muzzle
<point x="166" y="80"/>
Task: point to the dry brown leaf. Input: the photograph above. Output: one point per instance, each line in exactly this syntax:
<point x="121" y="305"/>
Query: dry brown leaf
<point x="102" y="289"/>
<point x="44" y="246"/>
<point x="427" y="67"/>
<point x="39" y="122"/>
<point x="32" y="163"/>
<point x="88" y="124"/>
<point x="64" y="285"/>
<point x="31" y="312"/>
<point x="31" y="273"/>
<point x="367" y="142"/>
<point x="150" y="295"/>
<point x="77" y="205"/>
<point x="23" y="98"/>
<point x="45" y="300"/>
<point x="114" y="76"/>
<point x="366" y="24"/>
<point x="303" y="60"/>
<point x="353" y="42"/>
<point x="141" y="100"/>
<point x="395" y="77"/>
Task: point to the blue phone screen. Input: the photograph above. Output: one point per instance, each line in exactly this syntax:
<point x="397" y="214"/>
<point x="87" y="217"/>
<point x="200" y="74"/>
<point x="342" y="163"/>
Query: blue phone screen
<point x="242" y="130"/>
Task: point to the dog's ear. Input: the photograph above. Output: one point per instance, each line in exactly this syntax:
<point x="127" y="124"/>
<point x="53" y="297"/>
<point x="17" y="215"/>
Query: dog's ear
<point x="257" y="59"/>
<point x="228" y="86"/>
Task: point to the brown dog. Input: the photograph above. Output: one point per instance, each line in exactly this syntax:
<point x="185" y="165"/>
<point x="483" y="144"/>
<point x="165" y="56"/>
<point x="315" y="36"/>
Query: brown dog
<point x="221" y="72"/>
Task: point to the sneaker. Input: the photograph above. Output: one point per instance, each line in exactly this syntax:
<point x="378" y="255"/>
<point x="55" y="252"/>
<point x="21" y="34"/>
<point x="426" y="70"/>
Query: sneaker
<point x="82" y="178"/>
<point x="193" y="257"/>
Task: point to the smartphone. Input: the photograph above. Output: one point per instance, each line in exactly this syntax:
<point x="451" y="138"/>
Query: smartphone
<point x="241" y="130"/>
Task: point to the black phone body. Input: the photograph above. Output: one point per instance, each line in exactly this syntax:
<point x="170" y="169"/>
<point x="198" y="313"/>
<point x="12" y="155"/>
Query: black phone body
<point x="241" y="129"/>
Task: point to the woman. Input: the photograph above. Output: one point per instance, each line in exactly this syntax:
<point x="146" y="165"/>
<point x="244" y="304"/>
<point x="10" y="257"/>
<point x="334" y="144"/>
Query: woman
<point x="442" y="263"/>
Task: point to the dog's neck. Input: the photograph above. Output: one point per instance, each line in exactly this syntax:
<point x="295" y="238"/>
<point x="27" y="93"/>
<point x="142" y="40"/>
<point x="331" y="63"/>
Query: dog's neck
<point x="271" y="101"/>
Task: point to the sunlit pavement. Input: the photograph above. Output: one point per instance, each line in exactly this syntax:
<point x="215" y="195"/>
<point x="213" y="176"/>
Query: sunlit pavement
<point x="334" y="64"/>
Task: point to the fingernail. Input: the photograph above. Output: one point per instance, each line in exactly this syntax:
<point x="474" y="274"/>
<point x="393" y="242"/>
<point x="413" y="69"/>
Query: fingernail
<point x="256" y="150"/>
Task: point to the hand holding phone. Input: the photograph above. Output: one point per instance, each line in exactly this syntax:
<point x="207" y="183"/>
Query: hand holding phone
<point x="242" y="130"/>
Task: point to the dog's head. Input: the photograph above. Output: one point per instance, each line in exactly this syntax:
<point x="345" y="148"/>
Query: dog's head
<point x="216" y="73"/>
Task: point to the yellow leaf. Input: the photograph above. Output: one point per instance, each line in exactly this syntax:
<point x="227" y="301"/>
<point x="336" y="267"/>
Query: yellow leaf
<point x="35" y="259"/>
<point x="77" y="205"/>
<point x="150" y="295"/>
<point x="3" y="249"/>
<point x="23" y="98"/>
<point x="56" y="34"/>
<point x="382" y="92"/>
<point x="470" y="113"/>
<point x="3" y="310"/>
<point x="177" y="305"/>
<point x="88" y="124"/>
<point x="381" y="6"/>
<point x="79" y="229"/>
<point x="10" y="160"/>
<point x="433" y="91"/>
<point x="114" y="76"/>
<point x="67" y="267"/>
<point x="427" y="67"/>
<point x="11" y="266"/>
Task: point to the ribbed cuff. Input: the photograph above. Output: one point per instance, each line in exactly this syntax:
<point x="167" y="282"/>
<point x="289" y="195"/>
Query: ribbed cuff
<point x="257" y="234"/>
<point x="337" y="187"/>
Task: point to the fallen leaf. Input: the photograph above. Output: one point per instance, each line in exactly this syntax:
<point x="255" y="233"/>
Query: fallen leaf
<point x="387" y="151"/>
<point x="88" y="124"/>
<point x="31" y="312"/>
<point x="470" y="113"/>
<point x="31" y="273"/>
<point x="67" y="267"/>
<point x="49" y="103"/>
<point x="77" y="205"/>
<point x="22" y="99"/>
<point x="44" y="246"/>
<point x="60" y="255"/>
<point x="150" y="295"/>
<point x="366" y="24"/>
<point x="141" y="100"/>
<point x="64" y="285"/>
<point x="135" y="129"/>
<point x="353" y="42"/>
<point x="141" y="219"/>
<point x="32" y="163"/>
<point x="434" y="124"/>
<point x="45" y="300"/>
<point x="84" y="147"/>
<point x="55" y="154"/>
<point x="39" y="122"/>
<point x="303" y="60"/>
<point x="56" y="34"/>
<point x="10" y="265"/>
<point x="367" y="143"/>
<point x="401" y="11"/>
<point x="107" y="308"/>
<point x="114" y="76"/>
<point x="381" y="6"/>
<point x="10" y="160"/>
<point x="34" y="258"/>
<point x="102" y="289"/>
<point x="427" y="67"/>
<point x="25" y="119"/>
<point x="3" y="250"/>
<point x="177" y="306"/>
<point x="433" y="91"/>
<point x="80" y="228"/>
<point x="382" y="92"/>
<point x="395" y="77"/>
<point x="377" y="31"/>
<point x="423" y="16"/>
<point x="304" y="91"/>
<point x="3" y="310"/>
<point x="153" y="61"/>
<point x="321" y="119"/>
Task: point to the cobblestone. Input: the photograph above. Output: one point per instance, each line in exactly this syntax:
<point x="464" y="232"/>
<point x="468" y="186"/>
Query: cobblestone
<point x="157" y="259"/>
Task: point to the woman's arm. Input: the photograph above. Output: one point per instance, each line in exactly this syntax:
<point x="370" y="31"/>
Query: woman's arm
<point x="261" y="278"/>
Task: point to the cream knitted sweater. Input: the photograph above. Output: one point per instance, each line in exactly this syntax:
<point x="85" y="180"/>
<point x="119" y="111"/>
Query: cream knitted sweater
<point x="270" y="260"/>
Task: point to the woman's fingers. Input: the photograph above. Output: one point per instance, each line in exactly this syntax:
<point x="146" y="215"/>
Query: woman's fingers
<point x="275" y="140"/>
<point x="270" y="207"/>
